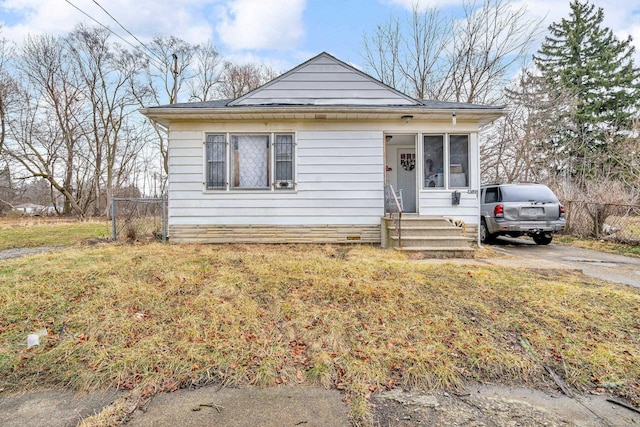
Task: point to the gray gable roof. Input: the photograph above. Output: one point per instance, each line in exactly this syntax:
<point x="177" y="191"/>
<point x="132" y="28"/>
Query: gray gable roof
<point x="324" y="80"/>
<point x="322" y="87"/>
<point x="420" y="104"/>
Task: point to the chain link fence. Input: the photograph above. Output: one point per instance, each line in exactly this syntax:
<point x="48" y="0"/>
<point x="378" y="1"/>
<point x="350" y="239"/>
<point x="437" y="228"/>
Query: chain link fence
<point x="615" y="222"/>
<point x="139" y="219"/>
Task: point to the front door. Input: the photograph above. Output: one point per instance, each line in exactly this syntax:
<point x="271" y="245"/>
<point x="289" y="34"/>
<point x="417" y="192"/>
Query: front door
<point x="407" y="178"/>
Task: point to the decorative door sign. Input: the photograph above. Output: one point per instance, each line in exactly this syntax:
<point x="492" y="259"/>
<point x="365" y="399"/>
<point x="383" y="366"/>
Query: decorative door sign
<point x="408" y="161"/>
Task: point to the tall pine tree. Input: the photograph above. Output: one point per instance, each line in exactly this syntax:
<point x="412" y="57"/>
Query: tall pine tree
<point x="585" y="59"/>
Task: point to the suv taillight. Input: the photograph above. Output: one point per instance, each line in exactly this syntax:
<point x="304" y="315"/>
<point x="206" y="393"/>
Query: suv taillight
<point x="561" y="211"/>
<point x="498" y="211"/>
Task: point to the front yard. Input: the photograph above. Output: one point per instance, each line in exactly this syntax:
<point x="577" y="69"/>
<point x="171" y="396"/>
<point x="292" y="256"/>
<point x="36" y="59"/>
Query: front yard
<point x="30" y="232"/>
<point x="153" y="318"/>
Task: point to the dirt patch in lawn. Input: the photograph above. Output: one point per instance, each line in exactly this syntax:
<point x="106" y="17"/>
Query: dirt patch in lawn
<point x="497" y="405"/>
<point x="20" y="252"/>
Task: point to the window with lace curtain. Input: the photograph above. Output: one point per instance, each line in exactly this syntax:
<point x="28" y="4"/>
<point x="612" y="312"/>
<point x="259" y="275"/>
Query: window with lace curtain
<point x="250" y="161"/>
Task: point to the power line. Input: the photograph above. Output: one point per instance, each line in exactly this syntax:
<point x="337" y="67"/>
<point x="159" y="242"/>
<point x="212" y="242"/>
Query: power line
<point x="127" y="31"/>
<point x="155" y="60"/>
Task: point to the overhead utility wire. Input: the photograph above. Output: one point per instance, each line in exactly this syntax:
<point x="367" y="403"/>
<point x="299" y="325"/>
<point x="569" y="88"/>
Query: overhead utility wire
<point x="158" y="64"/>
<point x="174" y="72"/>
<point x="127" y="31"/>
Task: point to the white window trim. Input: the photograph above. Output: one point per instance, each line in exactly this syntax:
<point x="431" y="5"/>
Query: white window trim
<point x="272" y="172"/>
<point x="446" y="151"/>
<point x="274" y="162"/>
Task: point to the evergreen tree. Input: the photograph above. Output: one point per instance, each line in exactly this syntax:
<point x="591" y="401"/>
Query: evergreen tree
<point x="585" y="59"/>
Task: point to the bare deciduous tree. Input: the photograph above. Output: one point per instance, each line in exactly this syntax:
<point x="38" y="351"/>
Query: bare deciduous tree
<point x="41" y="148"/>
<point x="165" y="76"/>
<point x="75" y="124"/>
<point x="202" y="87"/>
<point x="410" y="61"/>
<point x="108" y="74"/>
<point x="7" y="86"/>
<point x="487" y="43"/>
<point x="520" y="147"/>
<point x="236" y="80"/>
<point x="51" y="118"/>
<point x="168" y="71"/>
<point x="464" y="61"/>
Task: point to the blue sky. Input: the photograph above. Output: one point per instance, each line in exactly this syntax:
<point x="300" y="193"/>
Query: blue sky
<point x="281" y="33"/>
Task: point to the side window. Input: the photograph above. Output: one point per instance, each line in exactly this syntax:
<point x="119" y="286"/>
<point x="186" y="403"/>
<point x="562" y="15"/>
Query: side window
<point x="491" y="195"/>
<point x="283" y="158"/>
<point x="216" y="161"/>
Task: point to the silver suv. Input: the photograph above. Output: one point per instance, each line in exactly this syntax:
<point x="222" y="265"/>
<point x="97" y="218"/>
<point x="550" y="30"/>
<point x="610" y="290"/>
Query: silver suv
<point x="520" y="209"/>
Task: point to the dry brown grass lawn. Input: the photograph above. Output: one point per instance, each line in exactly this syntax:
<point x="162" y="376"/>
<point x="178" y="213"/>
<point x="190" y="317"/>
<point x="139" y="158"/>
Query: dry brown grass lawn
<point x="155" y="317"/>
<point x="600" y="245"/>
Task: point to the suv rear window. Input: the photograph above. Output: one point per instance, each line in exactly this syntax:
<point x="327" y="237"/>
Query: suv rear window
<point x="527" y="193"/>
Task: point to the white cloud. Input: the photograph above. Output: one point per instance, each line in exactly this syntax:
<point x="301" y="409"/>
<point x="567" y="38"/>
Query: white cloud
<point x="261" y="24"/>
<point x="238" y="26"/>
<point x="144" y="18"/>
<point x="423" y="4"/>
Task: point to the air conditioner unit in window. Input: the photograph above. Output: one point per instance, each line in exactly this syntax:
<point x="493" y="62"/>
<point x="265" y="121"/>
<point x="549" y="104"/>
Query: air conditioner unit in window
<point x="284" y="184"/>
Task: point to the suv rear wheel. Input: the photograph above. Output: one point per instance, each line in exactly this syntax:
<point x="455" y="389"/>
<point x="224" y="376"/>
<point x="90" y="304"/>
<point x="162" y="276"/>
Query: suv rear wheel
<point x="542" y="238"/>
<point x="485" y="236"/>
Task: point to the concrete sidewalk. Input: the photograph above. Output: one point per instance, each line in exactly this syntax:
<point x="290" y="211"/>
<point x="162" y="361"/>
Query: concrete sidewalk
<point x="205" y="407"/>
<point x="282" y="406"/>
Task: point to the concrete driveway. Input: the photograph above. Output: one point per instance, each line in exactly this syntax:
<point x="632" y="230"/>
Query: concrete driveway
<point x="605" y="266"/>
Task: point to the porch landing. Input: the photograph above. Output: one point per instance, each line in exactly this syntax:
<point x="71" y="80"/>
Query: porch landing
<point x="431" y="236"/>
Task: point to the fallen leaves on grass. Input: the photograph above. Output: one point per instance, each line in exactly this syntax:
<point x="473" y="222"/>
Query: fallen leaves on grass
<point x="358" y="319"/>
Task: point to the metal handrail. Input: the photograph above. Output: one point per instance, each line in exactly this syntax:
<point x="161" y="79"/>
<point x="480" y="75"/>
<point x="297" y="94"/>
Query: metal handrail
<point x="398" y="223"/>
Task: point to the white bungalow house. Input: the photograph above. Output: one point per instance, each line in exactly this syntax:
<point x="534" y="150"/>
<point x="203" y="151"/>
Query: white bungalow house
<point x="307" y="157"/>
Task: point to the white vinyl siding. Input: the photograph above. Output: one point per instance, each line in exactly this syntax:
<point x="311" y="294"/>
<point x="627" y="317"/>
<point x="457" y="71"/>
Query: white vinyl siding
<point x="324" y="169"/>
<point x="339" y="176"/>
